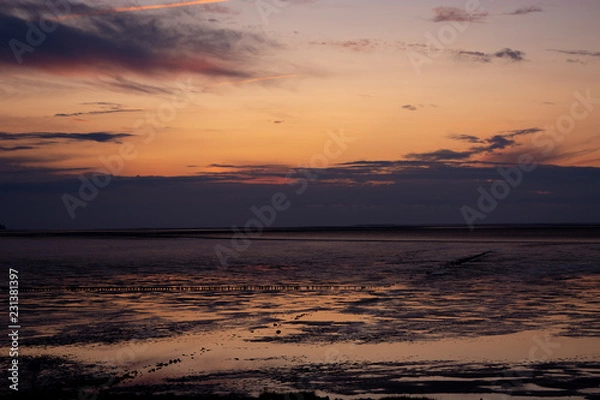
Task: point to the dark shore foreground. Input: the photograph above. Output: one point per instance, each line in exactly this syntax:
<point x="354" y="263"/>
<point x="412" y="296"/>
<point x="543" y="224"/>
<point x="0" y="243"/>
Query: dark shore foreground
<point x="496" y="314"/>
<point x="57" y="378"/>
<point x="112" y="396"/>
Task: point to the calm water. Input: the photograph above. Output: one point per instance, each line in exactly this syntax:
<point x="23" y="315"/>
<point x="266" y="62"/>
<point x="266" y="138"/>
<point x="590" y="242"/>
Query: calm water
<point x="490" y="313"/>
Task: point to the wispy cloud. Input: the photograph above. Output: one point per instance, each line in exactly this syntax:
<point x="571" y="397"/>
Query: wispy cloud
<point x="482" y="57"/>
<point x="16" y="148"/>
<point x="582" y="61"/>
<point x="117" y="10"/>
<point x="358" y="45"/>
<point x="466" y="138"/>
<point x="583" y="57"/>
<point x="585" y="53"/>
<point x="560" y="154"/>
<point x="415" y="107"/>
<point x="119" y="83"/>
<point x="440" y="155"/>
<point x="476" y="56"/>
<point x="100" y="137"/>
<point x="299" y="2"/>
<point x="442" y="14"/>
<point x="107" y="108"/>
<point x="253" y="80"/>
<point x="526" y="10"/>
<point x="218" y="9"/>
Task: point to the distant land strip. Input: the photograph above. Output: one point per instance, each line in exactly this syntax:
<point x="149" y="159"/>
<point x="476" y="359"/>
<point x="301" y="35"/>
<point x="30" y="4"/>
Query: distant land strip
<point x="583" y="234"/>
<point x="203" y="288"/>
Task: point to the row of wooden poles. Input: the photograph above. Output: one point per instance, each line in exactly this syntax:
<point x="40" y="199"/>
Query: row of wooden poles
<point x="235" y="288"/>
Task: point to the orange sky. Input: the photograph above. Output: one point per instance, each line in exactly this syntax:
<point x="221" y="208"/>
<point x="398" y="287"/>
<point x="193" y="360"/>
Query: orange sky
<point x="267" y="89"/>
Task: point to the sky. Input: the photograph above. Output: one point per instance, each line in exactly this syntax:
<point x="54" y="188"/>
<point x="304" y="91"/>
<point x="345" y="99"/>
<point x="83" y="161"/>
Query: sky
<point x="132" y="114"/>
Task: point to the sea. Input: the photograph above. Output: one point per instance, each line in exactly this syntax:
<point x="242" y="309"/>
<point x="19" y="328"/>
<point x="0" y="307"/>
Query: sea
<point x="498" y="312"/>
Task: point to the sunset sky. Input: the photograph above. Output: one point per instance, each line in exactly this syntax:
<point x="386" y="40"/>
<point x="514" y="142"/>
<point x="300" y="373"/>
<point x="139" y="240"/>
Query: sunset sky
<point x="202" y="109"/>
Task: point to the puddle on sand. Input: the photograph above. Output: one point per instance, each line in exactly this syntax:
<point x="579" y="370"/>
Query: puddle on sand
<point x="235" y="352"/>
<point x="430" y="327"/>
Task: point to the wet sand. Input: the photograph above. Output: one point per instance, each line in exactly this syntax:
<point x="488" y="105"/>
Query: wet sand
<point x="378" y="319"/>
<point x="284" y="342"/>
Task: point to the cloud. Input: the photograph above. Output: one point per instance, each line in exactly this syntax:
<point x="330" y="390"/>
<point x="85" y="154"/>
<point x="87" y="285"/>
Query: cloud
<point x="521" y="132"/>
<point x="476" y="56"/>
<point x="466" y="138"/>
<point x="497" y="142"/>
<point x="442" y="14"/>
<point x="136" y="43"/>
<point x="358" y="45"/>
<point x="128" y="9"/>
<point x="252" y="173"/>
<point x="584" y="57"/>
<point x="584" y="53"/>
<point x="526" y="10"/>
<point x="108" y="108"/>
<point x="358" y="192"/>
<point x="16" y="148"/>
<point x="479" y="56"/>
<point x="578" y="61"/>
<point x="100" y="137"/>
<point x="501" y="141"/>
<point x="297" y="2"/>
<point x="512" y="55"/>
<point x="440" y="155"/>
<point x="121" y="84"/>
<point x="415" y="107"/>
<point x="108" y="104"/>
<point x="218" y="9"/>
<point x="559" y="154"/>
